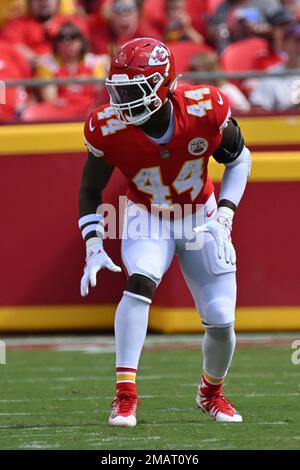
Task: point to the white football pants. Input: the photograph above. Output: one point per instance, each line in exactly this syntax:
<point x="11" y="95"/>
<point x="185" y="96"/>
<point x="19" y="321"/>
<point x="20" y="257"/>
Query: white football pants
<point x="149" y="244"/>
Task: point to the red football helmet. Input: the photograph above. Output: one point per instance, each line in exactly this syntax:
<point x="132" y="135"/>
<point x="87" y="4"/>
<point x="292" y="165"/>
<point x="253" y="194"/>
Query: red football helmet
<point x="141" y="75"/>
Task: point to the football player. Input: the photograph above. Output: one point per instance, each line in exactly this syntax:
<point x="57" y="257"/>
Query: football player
<point x="161" y="138"/>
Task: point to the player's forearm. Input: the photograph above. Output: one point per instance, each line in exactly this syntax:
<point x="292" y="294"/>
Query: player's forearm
<point x="89" y="219"/>
<point x="93" y="181"/>
<point x="234" y="181"/>
<point x="89" y="201"/>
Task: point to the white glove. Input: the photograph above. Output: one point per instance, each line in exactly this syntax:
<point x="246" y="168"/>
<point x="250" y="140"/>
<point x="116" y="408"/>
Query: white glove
<point x="96" y="259"/>
<point x="220" y="228"/>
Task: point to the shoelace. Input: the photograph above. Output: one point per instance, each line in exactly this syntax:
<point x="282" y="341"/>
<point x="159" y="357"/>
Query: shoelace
<point x="220" y="402"/>
<point x="126" y="403"/>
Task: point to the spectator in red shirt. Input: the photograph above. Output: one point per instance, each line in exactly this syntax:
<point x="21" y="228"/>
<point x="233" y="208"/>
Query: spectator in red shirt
<point x="272" y="57"/>
<point x="29" y="32"/>
<point x="279" y="22"/>
<point x="12" y="67"/>
<point x="178" y="23"/>
<point x="70" y="59"/>
<point x="177" y="20"/>
<point x="122" y="24"/>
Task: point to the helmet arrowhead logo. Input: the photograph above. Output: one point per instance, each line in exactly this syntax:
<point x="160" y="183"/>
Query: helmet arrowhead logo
<point x="159" y="56"/>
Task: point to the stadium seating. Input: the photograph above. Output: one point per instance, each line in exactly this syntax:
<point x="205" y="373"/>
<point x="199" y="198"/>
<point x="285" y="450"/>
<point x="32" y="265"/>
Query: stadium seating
<point x="183" y="52"/>
<point x="242" y="55"/>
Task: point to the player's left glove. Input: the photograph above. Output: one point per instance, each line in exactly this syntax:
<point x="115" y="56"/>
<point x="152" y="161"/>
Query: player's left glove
<point x="220" y="228"/>
<point x="96" y="259"/>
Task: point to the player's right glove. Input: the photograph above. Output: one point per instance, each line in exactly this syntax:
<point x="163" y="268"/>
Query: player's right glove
<point x="96" y="259"/>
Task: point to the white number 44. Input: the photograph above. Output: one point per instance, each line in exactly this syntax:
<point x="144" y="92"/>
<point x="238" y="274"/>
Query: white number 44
<point x="202" y="106"/>
<point x="149" y="181"/>
<point x="112" y="126"/>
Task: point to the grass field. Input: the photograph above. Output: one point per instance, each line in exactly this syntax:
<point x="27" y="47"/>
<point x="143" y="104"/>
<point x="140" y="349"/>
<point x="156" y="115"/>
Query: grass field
<point x="61" y="399"/>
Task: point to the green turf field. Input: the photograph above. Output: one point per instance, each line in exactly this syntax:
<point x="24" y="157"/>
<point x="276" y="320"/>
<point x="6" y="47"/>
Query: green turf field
<point x="60" y="400"/>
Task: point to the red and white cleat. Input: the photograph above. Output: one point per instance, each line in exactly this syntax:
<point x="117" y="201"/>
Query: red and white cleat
<point x="219" y="408"/>
<point x="123" y="410"/>
<point x="211" y="400"/>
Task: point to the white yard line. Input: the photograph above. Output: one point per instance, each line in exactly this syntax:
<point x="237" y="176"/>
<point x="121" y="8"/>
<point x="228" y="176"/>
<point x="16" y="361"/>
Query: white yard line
<point x="99" y="378"/>
<point x="95" y="412"/>
<point x="255" y="395"/>
<point x="87" y="378"/>
<point x="106" y="344"/>
<point x="46" y="413"/>
<point x="131" y="438"/>
<point x="211" y="440"/>
<point x="142" y="397"/>
<point x="89" y="398"/>
<point x="30" y="400"/>
<point x="272" y="423"/>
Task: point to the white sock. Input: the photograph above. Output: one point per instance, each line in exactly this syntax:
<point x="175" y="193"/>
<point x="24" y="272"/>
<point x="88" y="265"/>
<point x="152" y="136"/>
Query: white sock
<point x="131" y="323"/>
<point x="218" y="348"/>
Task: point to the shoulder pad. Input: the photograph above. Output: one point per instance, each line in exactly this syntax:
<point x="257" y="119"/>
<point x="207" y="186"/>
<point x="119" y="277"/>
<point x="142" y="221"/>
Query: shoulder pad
<point x="96" y="152"/>
<point x="92" y="136"/>
<point x="229" y="152"/>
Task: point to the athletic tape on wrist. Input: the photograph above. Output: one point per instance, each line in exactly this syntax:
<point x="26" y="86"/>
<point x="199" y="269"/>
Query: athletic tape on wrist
<point x="94" y="241"/>
<point x="90" y="218"/>
<point x="98" y="228"/>
<point x="226" y="212"/>
<point x="92" y="223"/>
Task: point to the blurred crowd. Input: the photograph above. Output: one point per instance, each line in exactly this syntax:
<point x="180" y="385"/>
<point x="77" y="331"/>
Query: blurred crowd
<point x="50" y="39"/>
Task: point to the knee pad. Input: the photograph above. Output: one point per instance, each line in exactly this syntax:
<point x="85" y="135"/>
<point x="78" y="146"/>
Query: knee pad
<point x="137" y="296"/>
<point x="219" y="313"/>
<point x="141" y="286"/>
<point x="149" y="267"/>
<point x="138" y="260"/>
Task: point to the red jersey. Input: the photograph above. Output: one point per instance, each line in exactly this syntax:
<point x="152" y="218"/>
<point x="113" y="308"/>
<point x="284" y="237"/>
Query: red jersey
<point x="27" y="31"/>
<point x="174" y="173"/>
<point x="90" y="65"/>
<point x="35" y="34"/>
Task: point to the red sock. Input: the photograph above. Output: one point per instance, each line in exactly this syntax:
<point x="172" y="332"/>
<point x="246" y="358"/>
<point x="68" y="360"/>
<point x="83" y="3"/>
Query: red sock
<point x="125" y="380"/>
<point x="207" y="388"/>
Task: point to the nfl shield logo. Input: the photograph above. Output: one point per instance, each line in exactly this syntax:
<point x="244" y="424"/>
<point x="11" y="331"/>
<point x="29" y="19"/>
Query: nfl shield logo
<point x="164" y="153"/>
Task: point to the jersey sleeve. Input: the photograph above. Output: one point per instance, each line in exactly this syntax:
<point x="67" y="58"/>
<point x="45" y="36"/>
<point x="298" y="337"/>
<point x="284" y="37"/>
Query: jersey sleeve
<point x="221" y="108"/>
<point x="92" y="136"/>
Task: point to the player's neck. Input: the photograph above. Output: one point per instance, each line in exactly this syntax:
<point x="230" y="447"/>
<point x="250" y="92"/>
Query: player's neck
<point x="158" y="123"/>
